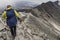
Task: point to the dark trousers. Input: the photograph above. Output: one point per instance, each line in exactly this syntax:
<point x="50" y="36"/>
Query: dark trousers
<point x="13" y="30"/>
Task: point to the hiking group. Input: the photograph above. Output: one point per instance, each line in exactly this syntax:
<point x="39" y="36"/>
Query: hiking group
<point x="11" y="16"/>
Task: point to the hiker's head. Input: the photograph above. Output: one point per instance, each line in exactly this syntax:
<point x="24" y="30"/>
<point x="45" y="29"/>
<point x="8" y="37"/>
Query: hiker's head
<point x="9" y="6"/>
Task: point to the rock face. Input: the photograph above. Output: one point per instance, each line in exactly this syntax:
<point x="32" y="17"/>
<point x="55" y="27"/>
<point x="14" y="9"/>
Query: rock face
<point x="43" y="23"/>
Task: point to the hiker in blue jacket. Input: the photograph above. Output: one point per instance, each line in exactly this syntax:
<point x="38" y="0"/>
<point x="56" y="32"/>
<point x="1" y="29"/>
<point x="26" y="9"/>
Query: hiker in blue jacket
<point x="11" y="16"/>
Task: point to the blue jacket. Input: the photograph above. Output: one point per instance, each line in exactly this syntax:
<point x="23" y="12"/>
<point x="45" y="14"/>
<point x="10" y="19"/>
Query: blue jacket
<point x="11" y="18"/>
<point x="11" y="15"/>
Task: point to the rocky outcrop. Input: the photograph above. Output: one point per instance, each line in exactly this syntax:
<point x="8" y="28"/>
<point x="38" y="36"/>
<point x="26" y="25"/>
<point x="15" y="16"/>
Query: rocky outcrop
<point x="34" y="28"/>
<point x="42" y="23"/>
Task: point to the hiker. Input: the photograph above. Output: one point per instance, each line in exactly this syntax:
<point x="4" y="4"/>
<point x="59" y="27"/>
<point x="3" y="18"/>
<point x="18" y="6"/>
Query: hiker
<point x="11" y="16"/>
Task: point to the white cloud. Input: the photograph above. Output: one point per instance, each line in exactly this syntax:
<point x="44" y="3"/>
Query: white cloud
<point x="41" y="1"/>
<point x="5" y="2"/>
<point x="11" y="2"/>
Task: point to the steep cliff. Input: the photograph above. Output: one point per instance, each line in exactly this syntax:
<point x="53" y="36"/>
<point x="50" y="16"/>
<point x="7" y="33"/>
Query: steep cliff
<point x="42" y="23"/>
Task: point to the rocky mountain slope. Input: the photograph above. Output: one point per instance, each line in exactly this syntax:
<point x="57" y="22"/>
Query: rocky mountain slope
<point x="42" y="23"/>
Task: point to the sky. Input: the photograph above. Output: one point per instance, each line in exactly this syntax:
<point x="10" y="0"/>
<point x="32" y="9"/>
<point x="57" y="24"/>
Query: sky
<point x="4" y="3"/>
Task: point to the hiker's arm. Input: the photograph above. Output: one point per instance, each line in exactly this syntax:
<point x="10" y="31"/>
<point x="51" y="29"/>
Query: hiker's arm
<point x="17" y="15"/>
<point x="4" y="14"/>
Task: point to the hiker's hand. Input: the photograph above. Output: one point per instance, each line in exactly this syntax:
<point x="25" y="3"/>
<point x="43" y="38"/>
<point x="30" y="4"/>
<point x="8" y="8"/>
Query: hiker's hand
<point x="20" y="19"/>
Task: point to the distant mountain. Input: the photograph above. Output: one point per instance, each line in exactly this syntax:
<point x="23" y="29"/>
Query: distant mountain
<point x="25" y="4"/>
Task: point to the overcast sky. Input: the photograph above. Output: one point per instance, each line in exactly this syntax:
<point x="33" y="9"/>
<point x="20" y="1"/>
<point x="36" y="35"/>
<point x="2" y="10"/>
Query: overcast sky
<point x="11" y="2"/>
